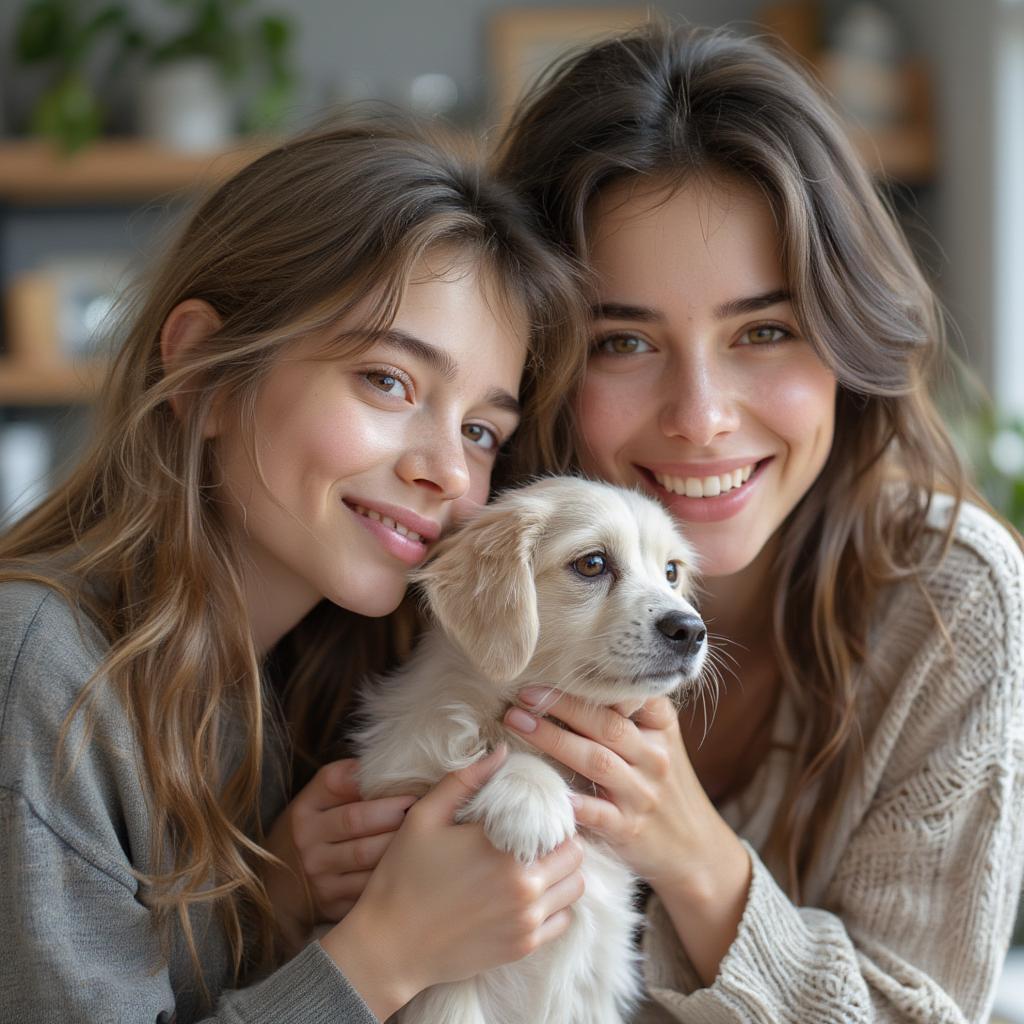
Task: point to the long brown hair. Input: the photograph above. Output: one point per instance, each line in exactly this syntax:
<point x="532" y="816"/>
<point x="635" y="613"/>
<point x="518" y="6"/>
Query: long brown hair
<point x="667" y="105"/>
<point x="287" y="247"/>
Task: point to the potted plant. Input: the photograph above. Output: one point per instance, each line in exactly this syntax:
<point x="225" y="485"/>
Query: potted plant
<point x="64" y="34"/>
<point x="189" y="96"/>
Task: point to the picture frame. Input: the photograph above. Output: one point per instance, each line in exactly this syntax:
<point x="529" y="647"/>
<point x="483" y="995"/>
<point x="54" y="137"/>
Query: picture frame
<point x="524" y="41"/>
<point x="57" y="312"/>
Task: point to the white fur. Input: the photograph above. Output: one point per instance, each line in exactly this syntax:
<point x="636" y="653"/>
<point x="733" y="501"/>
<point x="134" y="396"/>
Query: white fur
<point x="510" y="611"/>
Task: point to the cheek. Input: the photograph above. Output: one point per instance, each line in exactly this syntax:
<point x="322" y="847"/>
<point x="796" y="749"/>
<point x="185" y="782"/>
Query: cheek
<point x="606" y="420"/>
<point x="466" y="507"/>
<point x="799" y="406"/>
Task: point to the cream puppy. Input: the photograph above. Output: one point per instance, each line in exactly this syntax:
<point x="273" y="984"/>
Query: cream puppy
<point x="567" y="583"/>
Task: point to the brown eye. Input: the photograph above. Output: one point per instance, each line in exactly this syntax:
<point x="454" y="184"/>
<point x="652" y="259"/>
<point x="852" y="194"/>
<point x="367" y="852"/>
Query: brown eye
<point x="673" y="572"/>
<point x="622" y="345"/>
<point x="592" y="564"/>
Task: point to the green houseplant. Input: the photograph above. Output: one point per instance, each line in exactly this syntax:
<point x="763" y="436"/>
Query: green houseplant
<point x="217" y="54"/>
<point x="63" y="35"/>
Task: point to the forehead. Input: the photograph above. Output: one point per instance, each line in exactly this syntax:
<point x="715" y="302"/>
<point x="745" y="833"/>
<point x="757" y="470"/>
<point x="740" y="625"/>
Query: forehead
<point x="705" y="240"/>
<point x="614" y="520"/>
<point x="502" y="295"/>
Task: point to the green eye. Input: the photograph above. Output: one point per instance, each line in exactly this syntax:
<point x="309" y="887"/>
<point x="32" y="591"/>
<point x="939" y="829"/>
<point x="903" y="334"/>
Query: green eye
<point x="673" y="572"/>
<point x="592" y="564"/>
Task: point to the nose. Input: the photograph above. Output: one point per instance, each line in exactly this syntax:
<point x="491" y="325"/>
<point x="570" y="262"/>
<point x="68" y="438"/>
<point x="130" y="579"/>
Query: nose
<point x="437" y="461"/>
<point x="683" y="630"/>
<point x="698" y="403"/>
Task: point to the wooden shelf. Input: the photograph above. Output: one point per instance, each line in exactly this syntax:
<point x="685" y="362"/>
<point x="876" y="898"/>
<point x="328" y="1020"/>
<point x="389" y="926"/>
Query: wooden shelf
<point x="25" y="383"/>
<point x="113" y="170"/>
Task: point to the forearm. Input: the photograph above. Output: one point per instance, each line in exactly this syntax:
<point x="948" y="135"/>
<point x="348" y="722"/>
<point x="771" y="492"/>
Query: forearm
<point x="706" y="902"/>
<point x="367" y="960"/>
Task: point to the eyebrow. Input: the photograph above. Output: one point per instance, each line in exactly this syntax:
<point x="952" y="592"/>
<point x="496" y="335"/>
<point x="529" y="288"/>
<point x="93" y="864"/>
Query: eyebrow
<point x="649" y="315"/>
<point x="441" y="361"/>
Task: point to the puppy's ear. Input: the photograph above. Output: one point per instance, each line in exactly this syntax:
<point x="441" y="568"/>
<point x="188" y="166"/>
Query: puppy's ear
<point x="480" y="586"/>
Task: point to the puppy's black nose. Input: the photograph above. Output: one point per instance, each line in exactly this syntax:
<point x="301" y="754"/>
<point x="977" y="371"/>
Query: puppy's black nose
<point x="684" y="631"/>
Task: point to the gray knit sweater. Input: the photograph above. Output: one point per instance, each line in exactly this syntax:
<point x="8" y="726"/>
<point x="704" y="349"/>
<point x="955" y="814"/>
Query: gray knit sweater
<point x="908" y="914"/>
<point x="79" y="945"/>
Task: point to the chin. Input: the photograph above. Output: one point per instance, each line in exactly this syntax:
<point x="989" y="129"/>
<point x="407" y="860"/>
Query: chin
<point x="372" y="601"/>
<point x="723" y="560"/>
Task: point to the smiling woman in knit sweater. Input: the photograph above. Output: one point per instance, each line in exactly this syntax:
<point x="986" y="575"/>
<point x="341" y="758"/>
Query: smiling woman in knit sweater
<point x="844" y="840"/>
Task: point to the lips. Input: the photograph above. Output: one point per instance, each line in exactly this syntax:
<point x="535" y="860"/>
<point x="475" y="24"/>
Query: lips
<point x="688" y="490"/>
<point x="404" y="534"/>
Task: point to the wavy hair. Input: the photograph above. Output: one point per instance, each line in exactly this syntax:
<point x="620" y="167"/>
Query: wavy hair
<point x="669" y="104"/>
<point x="288" y="246"/>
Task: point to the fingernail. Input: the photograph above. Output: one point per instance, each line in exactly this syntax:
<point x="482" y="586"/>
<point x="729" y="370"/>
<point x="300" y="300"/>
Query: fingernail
<point x="520" y="720"/>
<point x="534" y="695"/>
<point x="574" y="799"/>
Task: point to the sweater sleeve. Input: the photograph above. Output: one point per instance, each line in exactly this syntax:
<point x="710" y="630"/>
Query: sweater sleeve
<point x="921" y="904"/>
<point x="80" y="943"/>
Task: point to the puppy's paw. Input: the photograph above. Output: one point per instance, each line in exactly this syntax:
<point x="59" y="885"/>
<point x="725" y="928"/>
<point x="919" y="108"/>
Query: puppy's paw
<point x="525" y="808"/>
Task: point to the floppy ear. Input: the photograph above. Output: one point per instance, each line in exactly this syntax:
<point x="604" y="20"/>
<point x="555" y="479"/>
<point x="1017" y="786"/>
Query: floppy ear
<point x="480" y="585"/>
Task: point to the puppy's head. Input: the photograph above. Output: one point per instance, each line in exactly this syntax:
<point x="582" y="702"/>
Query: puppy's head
<point x="572" y="583"/>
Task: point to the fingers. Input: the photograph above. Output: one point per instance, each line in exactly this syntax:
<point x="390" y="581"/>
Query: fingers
<point x="606" y="726"/>
<point x="444" y="800"/>
<point x="554" y="927"/>
<point x="596" y="814"/>
<point x="337" y="895"/>
<point x="560" y="863"/>
<point x="365" y="818"/>
<point x="562" y="893"/>
<point x="657" y="713"/>
<point x="361" y="854"/>
<point x="335" y="783"/>
<point x="601" y="765"/>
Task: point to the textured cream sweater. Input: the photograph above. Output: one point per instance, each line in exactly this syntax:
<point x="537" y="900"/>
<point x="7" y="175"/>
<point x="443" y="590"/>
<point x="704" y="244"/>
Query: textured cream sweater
<point x="908" y="914"/>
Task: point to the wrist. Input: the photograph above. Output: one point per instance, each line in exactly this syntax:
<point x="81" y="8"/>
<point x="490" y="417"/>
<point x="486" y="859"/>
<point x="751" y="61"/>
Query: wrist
<point x="366" y="956"/>
<point x="706" y="899"/>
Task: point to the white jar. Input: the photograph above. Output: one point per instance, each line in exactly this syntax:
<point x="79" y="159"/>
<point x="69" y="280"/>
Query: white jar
<point x="185" y="105"/>
<point x="25" y="455"/>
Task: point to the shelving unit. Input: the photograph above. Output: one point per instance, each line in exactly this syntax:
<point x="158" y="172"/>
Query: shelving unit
<point x="114" y="171"/>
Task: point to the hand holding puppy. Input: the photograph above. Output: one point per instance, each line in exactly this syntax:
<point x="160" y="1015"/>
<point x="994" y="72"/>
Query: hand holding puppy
<point x="651" y="809"/>
<point x="329" y="840"/>
<point x="422" y="921"/>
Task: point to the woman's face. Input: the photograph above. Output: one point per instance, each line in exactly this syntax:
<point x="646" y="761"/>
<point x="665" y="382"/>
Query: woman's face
<point x="365" y="458"/>
<point x="700" y="388"/>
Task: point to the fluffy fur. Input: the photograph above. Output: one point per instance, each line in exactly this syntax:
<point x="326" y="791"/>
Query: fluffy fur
<point x="511" y="608"/>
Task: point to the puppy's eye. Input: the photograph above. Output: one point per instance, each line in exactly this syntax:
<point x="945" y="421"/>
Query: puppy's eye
<point x="592" y="564"/>
<point x="674" y="572"/>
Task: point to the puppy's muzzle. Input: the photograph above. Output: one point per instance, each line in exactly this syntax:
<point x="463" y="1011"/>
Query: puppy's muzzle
<point x="683" y="632"/>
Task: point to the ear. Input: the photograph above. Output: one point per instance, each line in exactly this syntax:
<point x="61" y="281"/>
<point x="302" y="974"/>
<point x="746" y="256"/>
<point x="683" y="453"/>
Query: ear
<point x="188" y="325"/>
<point x="480" y="585"/>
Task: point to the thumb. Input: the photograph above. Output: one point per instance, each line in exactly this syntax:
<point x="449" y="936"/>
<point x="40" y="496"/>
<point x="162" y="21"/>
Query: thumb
<point x="457" y="787"/>
<point x="656" y="713"/>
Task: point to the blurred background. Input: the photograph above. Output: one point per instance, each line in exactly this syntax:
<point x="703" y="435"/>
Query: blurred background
<point x="113" y="116"/>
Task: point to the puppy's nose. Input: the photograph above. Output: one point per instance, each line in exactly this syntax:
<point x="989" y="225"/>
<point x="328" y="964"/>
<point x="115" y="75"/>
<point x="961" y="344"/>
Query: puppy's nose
<point x="684" y="631"/>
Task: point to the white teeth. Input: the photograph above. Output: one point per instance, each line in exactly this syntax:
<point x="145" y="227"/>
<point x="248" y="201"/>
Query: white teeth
<point x="706" y="487"/>
<point x="388" y="522"/>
